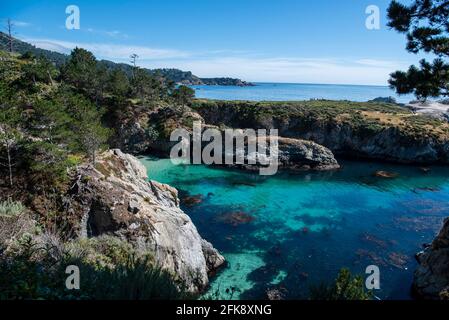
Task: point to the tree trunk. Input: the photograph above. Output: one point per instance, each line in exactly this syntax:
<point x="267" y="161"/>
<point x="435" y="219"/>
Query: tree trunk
<point x="9" y="28"/>
<point x="9" y="166"/>
<point x="50" y="77"/>
<point x="94" y="159"/>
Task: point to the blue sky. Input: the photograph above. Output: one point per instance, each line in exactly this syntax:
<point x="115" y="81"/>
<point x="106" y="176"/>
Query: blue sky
<point x="320" y="41"/>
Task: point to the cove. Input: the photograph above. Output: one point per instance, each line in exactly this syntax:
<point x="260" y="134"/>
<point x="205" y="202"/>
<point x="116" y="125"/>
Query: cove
<point x="292" y="232"/>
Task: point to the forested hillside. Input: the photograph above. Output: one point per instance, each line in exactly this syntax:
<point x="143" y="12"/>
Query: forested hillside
<point x="171" y="74"/>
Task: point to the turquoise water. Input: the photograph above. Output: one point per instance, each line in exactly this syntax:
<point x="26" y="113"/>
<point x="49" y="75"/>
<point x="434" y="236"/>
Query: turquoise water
<point x="295" y="91"/>
<point x="302" y="228"/>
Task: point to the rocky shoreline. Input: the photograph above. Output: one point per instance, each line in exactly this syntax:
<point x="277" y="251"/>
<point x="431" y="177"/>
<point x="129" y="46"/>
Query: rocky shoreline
<point x="372" y="131"/>
<point x="115" y="198"/>
<point x="294" y="154"/>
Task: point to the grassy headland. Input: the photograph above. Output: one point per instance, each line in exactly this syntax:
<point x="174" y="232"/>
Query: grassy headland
<point x="371" y="130"/>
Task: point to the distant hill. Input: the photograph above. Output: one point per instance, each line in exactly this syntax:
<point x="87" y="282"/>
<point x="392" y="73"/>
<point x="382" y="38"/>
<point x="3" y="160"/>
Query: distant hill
<point x="23" y="47"/>
<point x="226" y="82"/>
<point x="176" y="75"/>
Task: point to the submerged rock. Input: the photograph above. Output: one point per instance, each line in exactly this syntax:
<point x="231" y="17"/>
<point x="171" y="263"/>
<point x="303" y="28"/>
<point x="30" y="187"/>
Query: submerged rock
<point x="418" y="224"/>
<point x="192" y="201"/>
<point x="373" y="239"/>
<point x="386" y="174"/>
<point x="425" y="169"/>
<point x="363" y="254"/>
<point x="115" y="198"/>
<point x="431" y="280"/>
<point x="398" y="260"/>
<point x="427" y="189"/>
<point x="236" y="218"/>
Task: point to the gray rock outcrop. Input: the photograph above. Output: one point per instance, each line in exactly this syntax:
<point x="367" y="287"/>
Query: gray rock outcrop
<point x="297" y="154"/>
<point x="431" y="280"/>
<point x="115" y="198"/>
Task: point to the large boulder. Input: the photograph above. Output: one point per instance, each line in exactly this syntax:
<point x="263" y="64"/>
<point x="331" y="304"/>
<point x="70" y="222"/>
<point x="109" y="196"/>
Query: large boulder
<point x="303" y="154"/>
<point x="293" y="155"/>
<point x="431" y="279"/>
<point x="114" y="197"/>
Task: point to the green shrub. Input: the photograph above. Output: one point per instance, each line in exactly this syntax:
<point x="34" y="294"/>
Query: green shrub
<point x="35" y="270"/>
<point x="10" y="208"/>
<point x="346" y="287"/>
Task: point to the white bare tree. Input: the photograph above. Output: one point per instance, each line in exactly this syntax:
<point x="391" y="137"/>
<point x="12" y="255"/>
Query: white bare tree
<point x="9" y="140"/>
<point x="9" y="27"/>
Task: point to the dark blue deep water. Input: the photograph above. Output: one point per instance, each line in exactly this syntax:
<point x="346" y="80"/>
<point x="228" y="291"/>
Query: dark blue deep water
<point x="294" y="231"/>
<point x="298" y="91"/>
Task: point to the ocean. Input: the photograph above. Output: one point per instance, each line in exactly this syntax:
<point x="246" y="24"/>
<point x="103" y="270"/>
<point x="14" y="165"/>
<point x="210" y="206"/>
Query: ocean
<point x="293" y="232"/>
<point x="295" y="92"/>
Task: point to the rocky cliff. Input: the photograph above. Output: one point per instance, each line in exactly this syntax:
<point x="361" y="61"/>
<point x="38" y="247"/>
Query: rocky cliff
<point x="295" y="154"/>
<point x="115" y="198"/>
<point x="431" y="279"/>
<point x="364" y="130"/>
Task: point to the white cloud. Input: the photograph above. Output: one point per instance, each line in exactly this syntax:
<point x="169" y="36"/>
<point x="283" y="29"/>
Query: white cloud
<point x="227" y="63"/>
<point x="17" y="23"/>
<point x="109" y="51"/>
<point x="295" y="70"/>
<point x="50" y="45"/>
<point x="21" y="24"/>
<point x="112" y="34"/>
<point x="378" y="63"/>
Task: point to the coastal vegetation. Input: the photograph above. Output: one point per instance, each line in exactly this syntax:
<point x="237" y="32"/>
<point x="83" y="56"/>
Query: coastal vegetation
<point x="345" y="288"/>
<point x="33" y="265"/>
<point x="52" y="119"/>
<point x="364" y="115"/>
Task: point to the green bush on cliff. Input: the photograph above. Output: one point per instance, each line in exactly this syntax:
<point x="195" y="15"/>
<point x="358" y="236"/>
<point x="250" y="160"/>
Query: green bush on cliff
<point x="300" y="117"/>
<point x="35" y="269"/>
<point x="346" y="287"/>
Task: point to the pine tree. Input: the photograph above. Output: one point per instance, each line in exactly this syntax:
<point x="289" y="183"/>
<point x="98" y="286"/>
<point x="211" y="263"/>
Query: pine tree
<point x="183" y="95"/>
<point x="426" y="25"/>
<point x="80" y="71"/>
